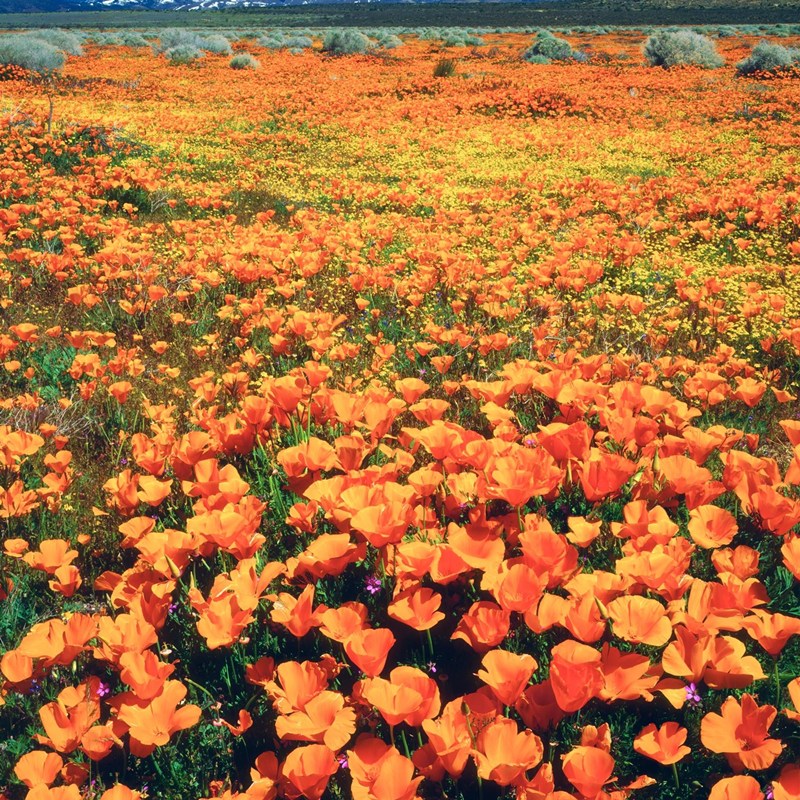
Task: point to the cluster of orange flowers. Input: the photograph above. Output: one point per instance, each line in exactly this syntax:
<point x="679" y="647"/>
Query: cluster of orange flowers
<point x="473" y="438"/>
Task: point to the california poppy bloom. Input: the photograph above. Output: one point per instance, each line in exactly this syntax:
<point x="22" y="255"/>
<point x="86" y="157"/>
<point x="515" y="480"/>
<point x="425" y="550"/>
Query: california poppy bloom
<point x="664" y="745"/>
<point x="740" y="731"/>
<point x="503" y="753"/>
<point x="507" y="674"/>
<point x="306" y="771"/>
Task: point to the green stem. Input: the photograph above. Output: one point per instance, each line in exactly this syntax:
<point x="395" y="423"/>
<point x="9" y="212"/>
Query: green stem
<point x="430" y="643"/>
<point x="405" y="745"/>
<point x="201" y="688"/>
<point x="675" y="775"/>
<point x="777" y="686"/>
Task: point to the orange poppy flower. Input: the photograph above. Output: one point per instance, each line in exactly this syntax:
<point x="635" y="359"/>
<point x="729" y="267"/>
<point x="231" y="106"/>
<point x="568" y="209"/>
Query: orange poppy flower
<point x="771" y="631"/>
<point x="38" y="768"/>
<point x="640" y="620"/>
<point x="417" y="607"/>
<point x="711" y="526"/>
<point x="484" y="626"/>
<point x="787" y="786"/>
<point x="150" y="723"/>
<point x="588" y="769"/>
<point x="408" y="696"/>
<point x="379" y="772"/>
<point x="324" y="719"/>
<point x="368" y="649"/>
<point x="503" y="753"/>
<point x="575" y="674"/>
<point x="740" y="731"/>
<point x="449" y="737"/>
<point x="507" y="674"/>
<point x="739" y="787"/>
<point x="664" y="745"/>
<point x="306" y="771"/>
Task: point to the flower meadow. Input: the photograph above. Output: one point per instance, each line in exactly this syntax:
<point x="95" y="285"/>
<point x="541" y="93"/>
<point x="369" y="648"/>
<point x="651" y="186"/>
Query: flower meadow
<point x="370" y="434"/>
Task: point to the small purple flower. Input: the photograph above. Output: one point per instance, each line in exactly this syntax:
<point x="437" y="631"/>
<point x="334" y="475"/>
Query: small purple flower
<point x="173" y="607"/>
<point x="123" y="461"/>
<point x="768" y="793"/>
<point x="103" y="689"/>
<point x="372" y="584"/>
<point x="692" y="695"/>
<point x="432" y="667"/>
<point x="343" y="762"/>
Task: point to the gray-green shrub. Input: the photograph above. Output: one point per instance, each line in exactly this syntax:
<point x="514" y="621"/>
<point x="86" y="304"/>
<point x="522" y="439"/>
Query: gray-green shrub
<point x="547" y="46"/>
<point x="30" y="53"/>
<point x="244" y="61"/>
<point x="674" y="48"/>
<point x="768" y="57"/>
<point x="183" y="54"/>
<point x="345" y="42"/>
<point x="65" y="41"/>
<point x="215" y="43"/>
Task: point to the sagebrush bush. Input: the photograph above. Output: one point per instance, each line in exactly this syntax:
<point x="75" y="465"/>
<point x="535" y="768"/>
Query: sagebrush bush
<point x="215" y="43"/>
<point x="65" y="41"/>
<point x="183" y="54"/>
<point x="674" y="48"/>
<point x="244" y="61"/>
<point x="30" y="53"/>
<point x="298" y="43"/>
<point x="175" y="38"/>
<point x="768" y="57"/>
<point x="345" y="42"/>
<point x="549" y="47"/>
<point x="388" y="41"/>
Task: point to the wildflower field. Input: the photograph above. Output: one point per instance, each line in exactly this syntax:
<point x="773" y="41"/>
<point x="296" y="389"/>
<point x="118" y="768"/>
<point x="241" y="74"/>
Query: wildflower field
<point x="373" y="433"/>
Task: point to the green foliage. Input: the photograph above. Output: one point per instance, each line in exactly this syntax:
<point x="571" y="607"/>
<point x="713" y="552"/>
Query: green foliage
<point x="547" y="48"/>
<point x="176" y="37"/>
<point x="217" y="44"/>
<point x="445" y="68"/>
<point x="244" y="61"/>
<point x="767" y="57"/>
<point x="30" y="53"/>
<point x="183" y="54"/>
<point x="675" y="48"/>
<point x="66" y="41"/>
<point x="345" y="42"/>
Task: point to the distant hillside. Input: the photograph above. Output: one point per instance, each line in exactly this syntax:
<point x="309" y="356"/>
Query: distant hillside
<point x="156" y="13"/>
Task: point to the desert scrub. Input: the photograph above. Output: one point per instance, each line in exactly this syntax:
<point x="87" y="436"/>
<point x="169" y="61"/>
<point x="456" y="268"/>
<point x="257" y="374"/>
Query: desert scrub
<point x="30" y="53"/>
<point x="675" y="48"/>
<point x="174" y="38"/>
<point x="345" y="42"/>
<point x="768" y="57"/>
<point x="66" y="41"/>
<point x="546" y="48"/>
<point x="244" y="61"/>
<point x="217" y="44"/>
<point x="183" y="54"/>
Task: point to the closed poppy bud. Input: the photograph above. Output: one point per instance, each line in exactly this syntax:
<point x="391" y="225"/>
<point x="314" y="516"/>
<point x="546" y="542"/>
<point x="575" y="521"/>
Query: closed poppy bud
<point x="664" y="745"/>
